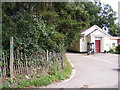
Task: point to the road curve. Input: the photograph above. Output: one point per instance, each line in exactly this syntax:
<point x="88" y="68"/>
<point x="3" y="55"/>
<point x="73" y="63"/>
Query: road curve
<point x="93" y="71"/>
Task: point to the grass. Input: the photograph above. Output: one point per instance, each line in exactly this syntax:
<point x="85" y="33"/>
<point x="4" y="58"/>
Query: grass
<point x="56" y="75"/>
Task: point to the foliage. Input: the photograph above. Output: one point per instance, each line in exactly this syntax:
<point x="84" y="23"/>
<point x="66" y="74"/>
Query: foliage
<point x="39" y="75"/>
<point x="115" y="30"/>
<point x="103" y="16"/>
<point x="115" y="50"/>
<point x="111" y="51"/>
<point x="53" y="28"/>
<point x="8" y="83"/>
<point x="37" y="27"/>
<point x="118" y="49"/>
<point x="20" y="76"/>
<point x="41" y="80"/>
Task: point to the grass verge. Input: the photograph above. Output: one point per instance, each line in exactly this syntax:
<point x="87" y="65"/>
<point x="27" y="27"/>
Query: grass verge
<point x="56" y="75"/>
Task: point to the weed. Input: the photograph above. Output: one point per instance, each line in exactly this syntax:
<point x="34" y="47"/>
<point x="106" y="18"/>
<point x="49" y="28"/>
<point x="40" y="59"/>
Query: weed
<point x="43" y="80"/>
<point x="20" y="76"/>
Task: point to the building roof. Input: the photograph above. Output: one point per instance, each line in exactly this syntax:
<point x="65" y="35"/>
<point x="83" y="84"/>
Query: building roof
<point x="114" y="38"/>
<point x="94" y="28"/>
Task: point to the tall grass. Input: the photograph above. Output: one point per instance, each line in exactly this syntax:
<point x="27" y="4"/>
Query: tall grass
<point x="55" y="75"/>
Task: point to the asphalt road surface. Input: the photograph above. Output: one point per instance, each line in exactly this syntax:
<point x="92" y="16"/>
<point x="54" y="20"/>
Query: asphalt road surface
<point x="93" y="71"/>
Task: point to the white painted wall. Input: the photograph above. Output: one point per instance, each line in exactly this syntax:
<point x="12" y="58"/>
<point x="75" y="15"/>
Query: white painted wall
<point x="104" y="40"/>
<point x="93" y="39"/>
<point x="97" y="33"/>
<point x="83" y="44"/>
<point x="111" y="44"/>
<point x="105" y="44"/>
<point x="102" y="44"/>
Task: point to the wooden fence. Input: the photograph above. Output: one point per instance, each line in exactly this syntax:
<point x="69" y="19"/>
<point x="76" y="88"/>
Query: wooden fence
<point x="4" y="65"/>
<point x="30" y="65"/>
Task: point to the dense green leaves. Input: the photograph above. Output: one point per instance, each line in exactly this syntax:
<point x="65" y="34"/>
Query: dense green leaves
<point x="41" y="26"/>
<point x="118" y="49"/>
<point x="103" y="16"/>
<point x="53" y="28"/>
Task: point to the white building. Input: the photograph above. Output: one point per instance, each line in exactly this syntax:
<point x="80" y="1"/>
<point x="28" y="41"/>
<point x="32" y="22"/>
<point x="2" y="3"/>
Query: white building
<point x="114" y="41"/>
<point x="100" y="38"/>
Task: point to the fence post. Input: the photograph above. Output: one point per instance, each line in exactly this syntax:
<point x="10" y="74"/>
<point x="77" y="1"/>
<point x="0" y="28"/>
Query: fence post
<point x="47" y="55"/>
<point x="62" y="60"/>
<point x="0" y="43"/>
<point x="0" y="69"/>
<point x="11" y="58"/>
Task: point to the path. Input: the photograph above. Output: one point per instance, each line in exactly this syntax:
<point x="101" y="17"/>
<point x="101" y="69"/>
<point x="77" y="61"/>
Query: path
<point x="93" y="71"/>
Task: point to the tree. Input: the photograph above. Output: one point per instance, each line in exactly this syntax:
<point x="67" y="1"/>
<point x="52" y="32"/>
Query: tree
<point x="115" y="30"/>
<point x="67" y="19"/>
<point x="43" y="26"/>
<point x="103" y="16"/>
<point x="52" y="26"/>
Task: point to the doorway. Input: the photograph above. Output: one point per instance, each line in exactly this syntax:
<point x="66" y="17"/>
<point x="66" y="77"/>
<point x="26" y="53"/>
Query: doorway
<point x="97" y="46"/>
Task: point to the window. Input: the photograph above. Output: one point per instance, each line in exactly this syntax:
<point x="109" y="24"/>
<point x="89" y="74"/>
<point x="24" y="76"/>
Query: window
<point x="113" y="44"/>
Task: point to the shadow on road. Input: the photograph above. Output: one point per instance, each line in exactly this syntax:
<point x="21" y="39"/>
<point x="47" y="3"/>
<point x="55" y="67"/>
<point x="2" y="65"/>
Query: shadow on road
<point x="116" y="69"/>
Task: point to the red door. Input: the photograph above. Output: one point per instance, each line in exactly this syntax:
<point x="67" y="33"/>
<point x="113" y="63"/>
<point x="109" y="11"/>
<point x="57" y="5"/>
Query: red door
<point x="97" y="45"/>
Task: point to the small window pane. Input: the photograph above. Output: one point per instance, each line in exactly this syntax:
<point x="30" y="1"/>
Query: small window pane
<point x="113" y="44"/>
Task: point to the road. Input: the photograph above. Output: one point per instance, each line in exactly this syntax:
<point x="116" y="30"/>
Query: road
<point x="93" y="71"/>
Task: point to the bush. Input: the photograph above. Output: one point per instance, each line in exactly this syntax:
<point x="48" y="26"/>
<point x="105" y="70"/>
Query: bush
<point x="40" y="79"/>
<point x="112" y="50"/>
<point x="117" y="49"/>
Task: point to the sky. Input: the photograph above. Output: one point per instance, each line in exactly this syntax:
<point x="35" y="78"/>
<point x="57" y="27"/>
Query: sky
<point x="113" y="4"/>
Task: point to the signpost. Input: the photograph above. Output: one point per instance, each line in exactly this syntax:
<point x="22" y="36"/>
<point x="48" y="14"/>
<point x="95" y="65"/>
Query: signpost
<point x="11" y="58"/>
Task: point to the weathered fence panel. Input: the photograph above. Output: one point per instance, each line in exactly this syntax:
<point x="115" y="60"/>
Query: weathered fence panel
<point x="15" y="62"/>
<point x="30" y="65"/>
<point x="37" y="63"/>
<point x="4" y="65"/>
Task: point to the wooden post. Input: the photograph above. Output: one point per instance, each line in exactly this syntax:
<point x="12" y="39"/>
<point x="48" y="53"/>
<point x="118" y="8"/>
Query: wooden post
<point x="47" y="55"/>
<point x="62" y="60"/>
<point x="0" y="42"/>
<point x="11" y="58"/>
<point x="0" y="69"/>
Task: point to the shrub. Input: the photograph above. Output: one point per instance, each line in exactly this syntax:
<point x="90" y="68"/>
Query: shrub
<point x="117" y="49"/>
<point x="40" y="79"/>
<point x="112" y="50"/>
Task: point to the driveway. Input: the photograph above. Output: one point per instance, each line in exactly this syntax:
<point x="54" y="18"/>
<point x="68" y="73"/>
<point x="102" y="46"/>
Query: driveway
<point x="93" y="71"/>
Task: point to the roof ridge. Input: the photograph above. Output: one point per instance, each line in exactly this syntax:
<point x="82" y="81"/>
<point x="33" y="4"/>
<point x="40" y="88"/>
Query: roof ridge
<point x="93" y="30"/>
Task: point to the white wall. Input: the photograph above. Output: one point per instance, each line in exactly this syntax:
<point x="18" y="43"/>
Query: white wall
<point x="83" y="44"/>
<point x="93" y="39"/>
<point x="104" y="40"/>
<point x="105" y="44"/>
<point x="97" y="33"/>
<point x="111" y="44"/>
<point x="102" y="44"/>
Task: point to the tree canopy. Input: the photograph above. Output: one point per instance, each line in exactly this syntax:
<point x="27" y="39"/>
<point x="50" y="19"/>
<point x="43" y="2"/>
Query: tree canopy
<point x="53" y="26"/>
